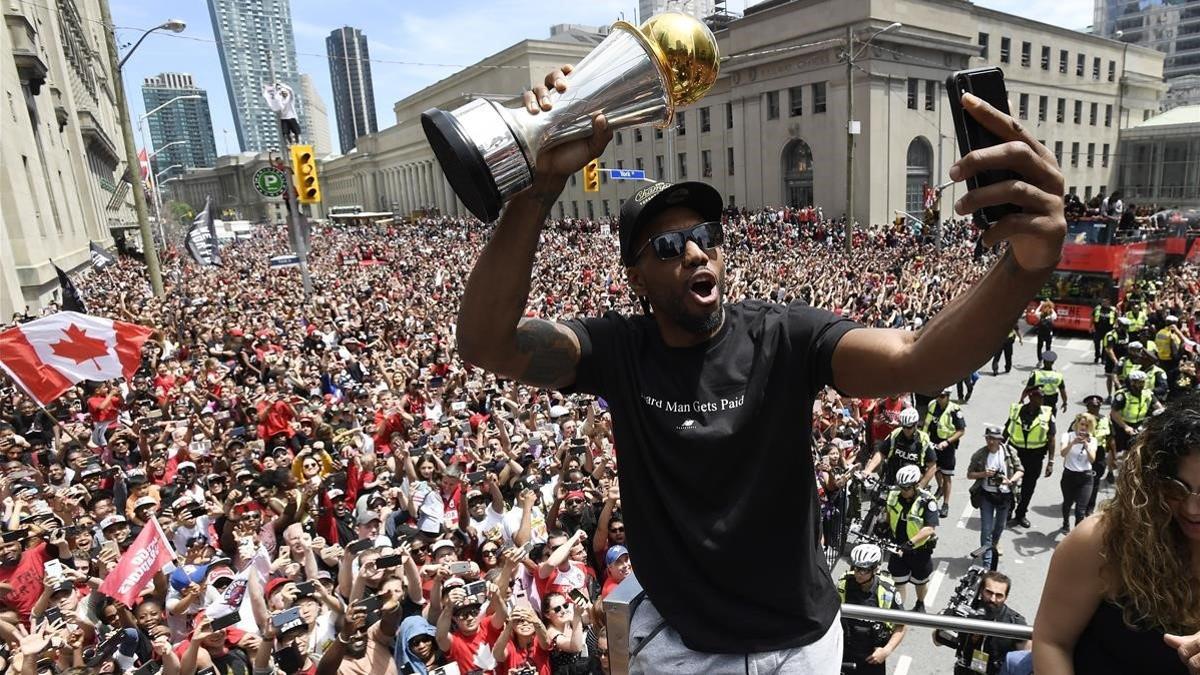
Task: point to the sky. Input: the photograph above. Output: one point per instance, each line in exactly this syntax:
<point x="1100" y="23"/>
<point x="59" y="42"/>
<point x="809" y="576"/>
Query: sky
<point x="403" y="36"/>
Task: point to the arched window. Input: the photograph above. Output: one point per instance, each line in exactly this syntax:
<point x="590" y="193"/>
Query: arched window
<point x="797" y="174"/>
<point x="918" y="175"/>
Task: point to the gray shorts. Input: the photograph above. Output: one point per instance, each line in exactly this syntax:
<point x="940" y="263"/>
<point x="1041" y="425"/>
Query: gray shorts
<point x="655" y="648"/>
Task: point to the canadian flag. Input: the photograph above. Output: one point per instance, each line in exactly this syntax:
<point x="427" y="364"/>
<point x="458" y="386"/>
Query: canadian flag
<point x="143" y="163"/>
<point x="48" y="356"/>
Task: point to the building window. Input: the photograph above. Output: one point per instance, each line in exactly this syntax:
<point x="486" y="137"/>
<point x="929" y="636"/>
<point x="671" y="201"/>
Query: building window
<point x="729" y="115"/>
<point x="639" y="164"/>
<point x="683" y="165"/>
<point x="1087" y="194"/>
<point x="1060" y="115"/>
<point x="1092" y="111"/>
<point x="1112" y="71"/>
<point x="1023" y="106"/>
<point x="620" y="138"/>
<point x="1026" y="53"/>
<point x="1043" y="102"/>
<point x="607" y="212"/>
<point x="729" y="161"/>
<point x="660" y="169"/>
<point x="1108" y="115"/>
<point x="1045" y="58"/>
<point x="912" y="93"/>
<point x="1078" y="116"/>
<point x="637" y="135"/>
<point x="930" y="95"/>
<point x="1071" y="190"/>
<point x="681" y="123"/>
<point x="706" y="163"/>
<point x="658" y="134"/>
<point x="562" y="210"/>
<point x="572" y="180"/>
<point x="1075" y="154"/>
<point x="795" y="101"/>
<point x="818" y="96"/>
<point x="732" y="201"/>
<point x="1063" y="57"/>
<point x="574" y="209"/>
<point x="620" y="164"/>
<point x="1146" y="114"/>
<point x="705" y="120"/>
<point x="603" y="173"/>
<point x="1091" y="155"/>
<point x="1005" y="49"/>
<point x="1096" y="68"/>
<point x="1104" y="158"/>
<point x="983" y="45"/>
<point x="772" y="105"/>
<point x="1080" y="64"/>
<point x="591" y="210"/>
<point x="1058" y="152"/>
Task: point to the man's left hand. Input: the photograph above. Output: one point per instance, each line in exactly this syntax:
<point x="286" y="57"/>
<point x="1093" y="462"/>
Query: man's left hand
<point x="1035" y="235"/>
<point x="878" y="656"/>
<point x="1188" y="648"/>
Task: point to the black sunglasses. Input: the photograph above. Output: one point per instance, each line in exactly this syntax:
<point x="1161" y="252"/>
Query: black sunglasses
<point x="672" y="244"/>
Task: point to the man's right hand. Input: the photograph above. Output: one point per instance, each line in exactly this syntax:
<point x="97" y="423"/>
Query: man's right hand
<point x="568" y="158"/>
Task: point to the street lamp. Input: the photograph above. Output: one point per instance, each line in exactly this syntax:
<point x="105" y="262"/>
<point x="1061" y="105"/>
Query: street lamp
<point x="848" y="231"/>
<point x="142" y="132"/>
<point x="149" y="252"/>
<point x="151" y="155"/>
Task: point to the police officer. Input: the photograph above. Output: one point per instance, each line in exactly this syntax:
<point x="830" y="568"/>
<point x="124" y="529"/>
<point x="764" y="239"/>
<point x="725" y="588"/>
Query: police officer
<point x="1167" y="342"/>
<point x="1131" y="407"/>
<point x="1116" y="345"/>
<point x="868" y="644"/>
<point x="1105" y="446"/>
<point x="1131" y="362"/>
<point x="1050" y="381"/>
<point x="1137" y="316"/>
<point x="945" y="425"/>
<point x="912" y="518"/>
<point x="1156" y="378"/>
<point x="1104" y="315"/>
<point x="905" y="446"/>
<point x="1006" y="350"/>
<point x="1030" y="430"/>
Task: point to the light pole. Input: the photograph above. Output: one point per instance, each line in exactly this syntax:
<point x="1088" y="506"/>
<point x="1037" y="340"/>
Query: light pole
<point x="848" y="231"/>
<point x="142" y="131"/>
<point x="151" y="155"/>
<point x="149" y="252"/>
<point x="158" y="197"/>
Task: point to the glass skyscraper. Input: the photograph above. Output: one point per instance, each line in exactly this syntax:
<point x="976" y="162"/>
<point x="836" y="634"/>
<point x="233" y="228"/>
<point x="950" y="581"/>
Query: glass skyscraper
<point x="188" y="121"/>
<point x="353" y="95"/>
<point x="1170" y="26"/>
<point x="257" y="47"/>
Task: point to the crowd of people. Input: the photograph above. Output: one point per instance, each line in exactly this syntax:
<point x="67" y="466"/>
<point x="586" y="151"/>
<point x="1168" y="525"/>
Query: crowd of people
<point x="402" y="510"/>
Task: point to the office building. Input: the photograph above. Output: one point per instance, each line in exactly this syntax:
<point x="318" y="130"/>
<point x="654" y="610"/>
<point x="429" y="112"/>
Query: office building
<point x="62" y="159"/>
<point x="353" y="95"/>
<point x="1170" y="26"/>
<point x="181" y="132"/>
<point x="317" y="116"/>
<point x="771" y="131"/>
<point x="256" y="47"/>
<point x="1160" y="160"/>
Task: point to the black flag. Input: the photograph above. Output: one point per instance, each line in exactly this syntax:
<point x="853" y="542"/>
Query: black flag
<point x="71" y="300"/>
<point x="100" y="257"/>
<point x="200" y="241"/>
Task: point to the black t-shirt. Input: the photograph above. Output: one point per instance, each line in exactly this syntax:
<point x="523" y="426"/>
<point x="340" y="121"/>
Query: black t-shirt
<point x="997" y="648"/>
<point x="714" y="461"/>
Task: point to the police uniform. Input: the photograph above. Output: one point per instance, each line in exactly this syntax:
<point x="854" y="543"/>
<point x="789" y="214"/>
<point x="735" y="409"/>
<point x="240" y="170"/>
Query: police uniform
<point x="904" y="521"/>
<point x="1134" y="409"/>
<point x="1031" y="432"/>
<point x="861" y="638"/>
<point x="1006" y="350"/>
<point x="941" y="425"/>
<point x="1049" y="382"/>
<point x="1166" y="343"/>
<point x="1119" y="342"/>
<point x="899" y="451"/>
<point x="1103" y="319"/>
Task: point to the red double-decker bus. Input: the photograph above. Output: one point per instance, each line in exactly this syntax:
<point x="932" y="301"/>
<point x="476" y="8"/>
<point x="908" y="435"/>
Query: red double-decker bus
<point x="1098" y="262"/>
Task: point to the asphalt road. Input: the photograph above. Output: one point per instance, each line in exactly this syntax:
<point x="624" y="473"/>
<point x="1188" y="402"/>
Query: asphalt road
<point x="1026" y="552"/>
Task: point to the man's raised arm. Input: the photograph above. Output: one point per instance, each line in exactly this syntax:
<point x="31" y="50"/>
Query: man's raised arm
<point x="491" y="332"/>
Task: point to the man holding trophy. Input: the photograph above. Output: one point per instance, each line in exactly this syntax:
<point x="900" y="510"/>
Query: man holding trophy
<point x="709" y="399"/>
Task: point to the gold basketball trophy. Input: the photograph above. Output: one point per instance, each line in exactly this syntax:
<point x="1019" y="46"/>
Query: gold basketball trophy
<point x="636" y="76"/>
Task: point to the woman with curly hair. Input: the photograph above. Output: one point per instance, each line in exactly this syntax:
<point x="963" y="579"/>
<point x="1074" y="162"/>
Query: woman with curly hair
<point x="1124" y="585"/>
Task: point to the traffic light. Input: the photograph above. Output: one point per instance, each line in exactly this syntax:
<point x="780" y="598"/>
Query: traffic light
<point x="591" y="176"/>
<point x="304" y="171"/>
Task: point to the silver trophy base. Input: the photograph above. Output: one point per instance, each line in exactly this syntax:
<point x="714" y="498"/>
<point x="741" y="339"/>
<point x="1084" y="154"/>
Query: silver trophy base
<point x="486" y="168"/>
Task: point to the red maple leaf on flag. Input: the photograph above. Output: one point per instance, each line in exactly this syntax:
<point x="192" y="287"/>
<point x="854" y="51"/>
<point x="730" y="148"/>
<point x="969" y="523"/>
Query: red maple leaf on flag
<point x="78" y="346"/>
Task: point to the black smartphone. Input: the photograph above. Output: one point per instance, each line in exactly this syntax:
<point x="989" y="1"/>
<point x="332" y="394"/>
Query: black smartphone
<point x="358" y="546"/>
<point x="148" y="668"/>
<point x="226" y="620"/>
<point x="987" y="84"/>
<point x="53" y="617"/>
<point x="373" y="606"/>
<point x="282" y="620"/>
<point x="236" y="432"/>
<point x="305" y="589"/>
<point x="475" y="477"/>
<point x="386" y="561"/>
<point x="577" y="594"/>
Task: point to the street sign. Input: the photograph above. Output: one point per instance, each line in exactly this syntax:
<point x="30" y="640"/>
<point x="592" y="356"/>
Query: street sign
<point x="626" y="174"/>
<point x="269" y="181"/>
<point x="281" y="261"/>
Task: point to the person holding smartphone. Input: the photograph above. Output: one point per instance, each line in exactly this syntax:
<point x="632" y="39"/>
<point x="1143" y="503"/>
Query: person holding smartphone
<point x="1078" y="447"/>
<point x="700" y="378"/>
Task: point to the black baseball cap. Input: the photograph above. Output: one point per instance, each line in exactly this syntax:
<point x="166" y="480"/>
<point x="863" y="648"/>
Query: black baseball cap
<point x="645" y="205"/>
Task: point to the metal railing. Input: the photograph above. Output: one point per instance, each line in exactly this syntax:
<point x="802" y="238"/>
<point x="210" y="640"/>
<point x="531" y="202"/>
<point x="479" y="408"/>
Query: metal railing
<point x="620" y="604"/>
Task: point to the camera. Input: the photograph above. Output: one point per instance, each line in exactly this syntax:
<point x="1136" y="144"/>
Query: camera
<point x="964" y="602"/>
<point x="995" y="480"/>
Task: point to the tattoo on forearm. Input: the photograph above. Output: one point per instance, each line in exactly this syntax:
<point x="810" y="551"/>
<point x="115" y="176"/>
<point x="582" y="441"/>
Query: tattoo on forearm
<point x="552" y="354"/>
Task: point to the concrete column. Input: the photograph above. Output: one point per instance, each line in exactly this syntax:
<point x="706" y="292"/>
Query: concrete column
<point x="405" y="176"/>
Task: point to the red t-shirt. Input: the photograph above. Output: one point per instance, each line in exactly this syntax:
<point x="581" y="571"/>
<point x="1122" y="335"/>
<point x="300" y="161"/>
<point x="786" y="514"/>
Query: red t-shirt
<point x="104" y="414"/>
<point x="610" y="585"/>
<point x="463" y="649"/>
<point x="515" y="657"/>
<point x="26" y="580"/>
